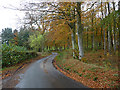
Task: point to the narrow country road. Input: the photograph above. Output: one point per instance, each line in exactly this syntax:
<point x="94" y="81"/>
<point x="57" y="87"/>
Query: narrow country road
<point x="42" y="74"/>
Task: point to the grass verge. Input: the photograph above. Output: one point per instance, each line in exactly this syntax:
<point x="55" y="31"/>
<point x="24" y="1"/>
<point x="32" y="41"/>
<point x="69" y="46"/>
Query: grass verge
<point x="91" y="75"/>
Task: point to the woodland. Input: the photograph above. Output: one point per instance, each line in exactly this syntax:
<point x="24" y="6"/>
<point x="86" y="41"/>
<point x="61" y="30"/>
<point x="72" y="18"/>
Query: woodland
<point x="80" y="32"/>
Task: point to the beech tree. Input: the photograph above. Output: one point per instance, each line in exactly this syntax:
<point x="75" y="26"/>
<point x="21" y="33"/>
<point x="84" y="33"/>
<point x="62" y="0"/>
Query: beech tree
<point x="76" y="25"/>
<point x="79" y="30"/>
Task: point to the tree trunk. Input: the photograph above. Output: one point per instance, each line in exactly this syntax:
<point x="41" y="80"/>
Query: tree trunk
<point x="42" y="48"/>
<point x="104" y="32"/>
<point x="109" y="35"/>
<point x="102" y="27"/>
<point x="60" y="48"/>
<point x="96" y="43"/>
<point x="73" y="43"/>
<point x="101" y="37"/>
<point x="64" y="47"/>
<point x="87" y="38"/>
<point x="114" y="27"/>
<point x="104" y="43"/>
<point x="93" y="42"/>
<point x="56" y="48"/>
<point x="79" y="30"/>
<point x="47" y="47"/>
<point x="68" y="44"/>
<point x="119" y="26"/>
<point x="109" y="40"/>
<point x="39" y="50"/>
<point x="73" y="34"/>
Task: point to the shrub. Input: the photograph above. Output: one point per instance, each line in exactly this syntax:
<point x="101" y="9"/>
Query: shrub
<point x="12" y="55"/>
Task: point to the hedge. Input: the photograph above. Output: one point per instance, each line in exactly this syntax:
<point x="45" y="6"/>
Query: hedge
<point x="12" y="55"/>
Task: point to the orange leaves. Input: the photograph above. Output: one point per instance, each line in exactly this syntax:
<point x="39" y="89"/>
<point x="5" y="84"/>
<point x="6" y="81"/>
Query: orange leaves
<point x="58" y="33"/>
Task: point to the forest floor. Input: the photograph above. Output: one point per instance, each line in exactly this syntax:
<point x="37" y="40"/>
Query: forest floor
<point x="95" y="70"/>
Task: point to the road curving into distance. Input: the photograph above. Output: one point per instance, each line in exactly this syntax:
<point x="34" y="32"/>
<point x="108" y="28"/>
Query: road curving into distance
<point x="42" y="74"/>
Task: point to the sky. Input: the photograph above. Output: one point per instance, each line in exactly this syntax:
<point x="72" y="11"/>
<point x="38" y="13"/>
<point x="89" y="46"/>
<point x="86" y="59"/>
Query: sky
<point x="12" y="18"/>
<point x="8" y="17"/>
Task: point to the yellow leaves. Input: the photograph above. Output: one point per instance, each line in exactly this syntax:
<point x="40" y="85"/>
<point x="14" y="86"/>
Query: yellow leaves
<point x="84" y="59"/>
<point x="108" y="54"/>
<point x="72" y="21"/>
<point x="108" y="64"/>
<point x="90" y="32"/>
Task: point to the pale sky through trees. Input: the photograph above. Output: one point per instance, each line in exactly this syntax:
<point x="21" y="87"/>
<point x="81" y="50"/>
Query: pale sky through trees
<point x="12" y="18"/>
<point x="8" y="17"/>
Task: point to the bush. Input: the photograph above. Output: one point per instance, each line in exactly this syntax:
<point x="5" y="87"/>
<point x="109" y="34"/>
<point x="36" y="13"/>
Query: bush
<point x="12" y="55"/>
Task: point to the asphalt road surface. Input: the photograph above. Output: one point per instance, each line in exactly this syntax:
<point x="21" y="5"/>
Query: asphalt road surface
<point x="42" y="74"/>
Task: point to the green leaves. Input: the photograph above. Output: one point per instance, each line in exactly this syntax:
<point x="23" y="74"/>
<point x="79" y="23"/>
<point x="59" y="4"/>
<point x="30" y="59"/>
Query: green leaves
<point x="37" y="41"/>
<point x="95" y="78"/>
<point x="7" y="35"/>
<point x="12" y="54"/>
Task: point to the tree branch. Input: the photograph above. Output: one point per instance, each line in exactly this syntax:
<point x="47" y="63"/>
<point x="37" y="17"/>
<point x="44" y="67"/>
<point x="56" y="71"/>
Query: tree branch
<point x="90" y="7"/>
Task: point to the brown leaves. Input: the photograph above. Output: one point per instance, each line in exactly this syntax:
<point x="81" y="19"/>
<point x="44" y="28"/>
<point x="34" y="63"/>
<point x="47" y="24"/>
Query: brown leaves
<point x="90" y="75"/>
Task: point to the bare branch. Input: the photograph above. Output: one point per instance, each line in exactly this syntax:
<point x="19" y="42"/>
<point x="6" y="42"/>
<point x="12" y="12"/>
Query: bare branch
<point x="90" y="7"/>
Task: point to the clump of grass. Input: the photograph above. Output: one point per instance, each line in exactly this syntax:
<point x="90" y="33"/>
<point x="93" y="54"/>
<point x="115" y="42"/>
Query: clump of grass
<point x="85" y="75"/>
<point x="67" y="68"/>
<point x="80" y="74"/>
<point x="95" y="78"/>
<point x="83" y="70"/>
<point x="84" y="60"/>
<point x="115" y="75"/>
<point x="112" y="85"/>
<point x="93" y="69"/>
<point x="75" y="71"/>
<point x="88" y="76"/>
